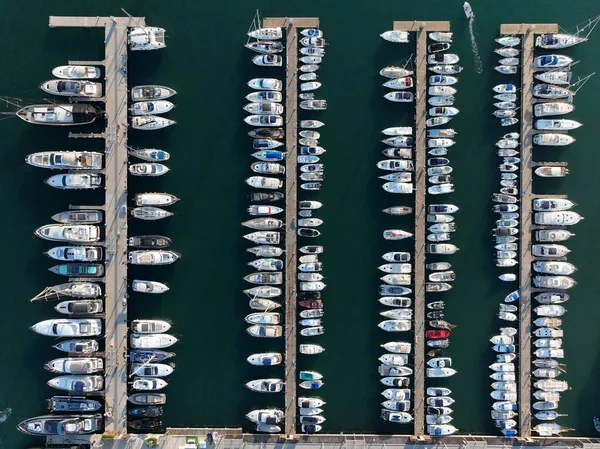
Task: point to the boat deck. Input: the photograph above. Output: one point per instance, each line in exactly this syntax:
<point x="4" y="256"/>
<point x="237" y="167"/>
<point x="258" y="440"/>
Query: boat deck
<point x="420" y="210"/>
<point x="527" y="32"/>
<point x="115" y="63"/>
<point x="290" y="24"/>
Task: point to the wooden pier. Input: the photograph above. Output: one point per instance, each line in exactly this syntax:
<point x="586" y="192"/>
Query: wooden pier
<point x="527" y="33"/>
<point x="420" y="28"/>
<point x="290" y="24"/>
<point x="115" y="64"/>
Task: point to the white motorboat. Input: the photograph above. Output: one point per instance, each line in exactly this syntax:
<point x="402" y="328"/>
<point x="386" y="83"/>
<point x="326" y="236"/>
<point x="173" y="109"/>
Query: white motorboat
<point x="396" y="234"/>
<point x="150" y="122"/>
<point x="151" y="92"/>
<point x="395" y="325"/>
<point x="505" y="105"/>
<point x="398" y="187"/>
<point x="75" y="253"/>
<point x="397" y="347"/>
<point x="508" y="277"/>
<point x="146" y="38"/>
<point x="441" y="91"/>
<point x="309" y="86"/>
<point x="268" y="60"/>
<point x="152" y="287"/>
<point x="550" y="310"/>
<point x="75" y="181"/>
<point x="400" y="37"/>
<point x="265" y="359"/>
<point x="441" y="248"/>
<point x="313" y="105"/>
<point x="556" y="124"/>
<point x="264" y="182"/>
<point x="506" y="97"/>
<point x="266" y="416"/>
<point x="549" y="353"/>
<point x="505" y="89"/>
<point x="559" y="218"/>
<point x="311" y="349"/>
<point x="507" y="52"/>
<point x="395" y="72"/>
<point x="399" y="83"/>
<point x="506" y="69"/>
<point x="440" y="142"/>
<point x="397" y="279"/>
<point x="265" y="331"/>
<point x="151" y="107"/>
<point x="553" y="139"/>
<point x="311" y="32"/>
<point x="549" y="204"/>
<point x="155" y="199"/>
<point x="149" y="326"/>
<point x="395" y="256"/>
<point x="150" y="213"/>
<point x="558" y="41"/>
<point x="443" y="111"/>
<point x="78" y="383"/>
<point x="442" y="58"/>
<point x="397" y="314"/>
<point x="554" y="77"/>
<point x="509" y="41"/>
<point x="552" y="61"/>
<point x="446" y="69"/>
<point x="442" y="80"/>
<point x="313" y="42"/>
<point x="151" y="341"/>
<point x="554" y="282"/>
<point x="265" y="84"/>
<point x="398" y="131"/>
<point x="264" y="108"/>
<point x="152" y="257"/>
<point x="440" y="189"/>
<point x="85" y="89"/>
<point x="440" y="372"/>
<point x="75" y="365"/>
<point x="439" y="430"/>
<point x="396" y="417"/>
<point x="441" y="36"/>
<point x="399" y="97"/>
<point x="76" y="72"/>
<point x="395" y="301"/>
<point x="75" y="327"/>
<point x="549" y="109"/>
<point x="398" y="360"/>
<point x="551" y="172"/>
<point x="509" y="61"/>
<point x="150" y="154"/>
<point x="395" y="165"/>
<point x="59" y="114"/>
<point x="507" y="143"/>
<point x="151" y="369"/>
<point x="266" y="34"/>
<point x="397" y="268"/>
<point x="437" y="121"/>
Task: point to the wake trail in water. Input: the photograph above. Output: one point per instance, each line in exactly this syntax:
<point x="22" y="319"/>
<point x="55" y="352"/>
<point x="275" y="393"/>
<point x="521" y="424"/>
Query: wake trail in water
<point x="476" y="57"/>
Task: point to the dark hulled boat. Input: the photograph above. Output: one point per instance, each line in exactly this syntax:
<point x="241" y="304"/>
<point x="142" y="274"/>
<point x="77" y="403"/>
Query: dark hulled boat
<point x="72" y="404"/>
<point x="149" y="241"/>
<point x="258" y="197"/>
<point x="261" y="133"/>
<point x="61" y="425"/>
<point x="311" y="304"/>
<point x="59" y="114"/>
<point x="145" y="424"/>
<point x="149" y="355"/>
<point x="78" y="216"/>
<point x="78" y="269"/>
<point x="152" y="411"/>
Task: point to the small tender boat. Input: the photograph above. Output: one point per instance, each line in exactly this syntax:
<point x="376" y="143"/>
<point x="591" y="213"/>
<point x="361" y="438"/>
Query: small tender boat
<point x="152" y="287"/>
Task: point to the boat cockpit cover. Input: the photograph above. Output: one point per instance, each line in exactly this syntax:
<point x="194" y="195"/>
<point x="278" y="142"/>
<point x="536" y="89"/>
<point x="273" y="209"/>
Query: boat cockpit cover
<point x="79" y="367"/>
<point x="79" y="307"/>
<point x="549" y="39"/>
<point x="271" y="420"/>
<point x="79" y="386"/>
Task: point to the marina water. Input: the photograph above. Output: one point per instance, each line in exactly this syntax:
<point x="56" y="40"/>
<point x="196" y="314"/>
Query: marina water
<point x="206" y="63"/>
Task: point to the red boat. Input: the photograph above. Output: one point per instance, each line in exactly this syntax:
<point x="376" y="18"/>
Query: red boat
<point x="311" y="304"/>
<point x="437" y="333"/>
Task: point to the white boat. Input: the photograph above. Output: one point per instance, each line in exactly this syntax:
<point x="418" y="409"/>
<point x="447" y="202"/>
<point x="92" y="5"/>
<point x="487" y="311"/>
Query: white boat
<point x="268" y="60"/>
<point x="554" y="77"/>
<point x="442" y="58"/>
<point x="551" y="267"/>
<point x="151" y="107"/>
<point x="150" y="122"/>
<point x="506" y="97"/>
<point x="507" y="144"/>
<point x="264" y="108"/>
<point x="311" y="32"/>
<point x="441" y="429"/>
<point x="150" y="154"/>
<point x="76" y="72"/>
<point x="443" y="111"/>
<point x="445" y="69"/>
<point x="437" y="121"/>
<point x="440" y="372"/>
<point x="549" y="353"/>
<point x="552" y="92"/>
<point x="399" y="96"/>
<point x="553" y="235"/>
<point x="155" y="199"/>
<point x="396" y="234"/>
<point x="85" y="89"/>
<point x="552" y="61"/>
<point x="551" y="310"/>
<point x="149" y="326"/>
<point x="556" y="124"/>
<point x="264" y="182"/>
<point x="441" y="91"/>
<point x="311" y="349"/>
<point x="506" y="69"/>
<point x="400" y="37"/>
<point x="558" y="41"/>
<point x="503" y="367"/>
<point x="396" y="417"/>
<point x="397" y="347"/>
<point x="151" y="341"/>
<point x="266" y="34"/>
<point x="397" y="314"/>
<point x="396" y="268"/>
<point x="561" y="218"/>
<point x="265" y="359"/>
<point x="151" y="369"/>
<point x="152" y="257"/>
<point x="78" y="289"/>
<point x="468" y="11"/>
<point x="552" y="385"/>
<point x="151" y="92"/>
<point x="553" y="139"/>
<point x="75" y="365"/>
<point x="149" y="287"/>
<point x="507" y="52"/>
<point x="146" y="38"/>
<point x="509" y="61"/>
<point x="75" y="181"/>
<point x="78" y="383"/>
<point x="554" y="282"/>
<point x="548" y="109"/>
<point x="441" y="248"/>
<point x="442" y="80"/>
<point x="395" y="325"/>
<point x="551" y="172"/>
<point x="508" y="277"/>
<point x="398" y="187"/>
<point x="440" y="36"/>
<point x="509" y="41"/>
<point x="150" y="213"/>
<point x="440" y="189"/>
<point x="395" y="72"/>
<point x="309" y="86"/>
<point x="75" y="253"/>
<point x="75" y="327"/>
<point x="399" y="83"/>
<point x="267" y="416"/>
<point x="505" y="89"/>
<point x="265" y="84"/>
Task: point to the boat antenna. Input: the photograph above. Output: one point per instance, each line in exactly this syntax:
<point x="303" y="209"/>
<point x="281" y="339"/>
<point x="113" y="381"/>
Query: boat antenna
<point x="147" y="362"/>
<point x="581" y="81"/>
<point x="254" y="25"/>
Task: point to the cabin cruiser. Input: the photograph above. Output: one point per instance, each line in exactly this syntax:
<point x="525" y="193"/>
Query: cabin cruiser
<point x="264" y="120"/>
<point x="264" y="108"/>
<point x="265" y="331"/>
<point x="75" y="365"/>
<point x="554" y="77"/>
<point x="75" y="253"/>
<point x="401" y="37"/>
<point x="552" y="61"/>
<point x="149" y="326"/>
<point x="63" y="425"/>
<point x="315" y="105"/>
<point x="146" y="38"/>
<point x="262" y="97"/>
<point x="266" y="385"/>
<point x="557" y="204"/>
<point x="266" y="34"/>
<point x="147" y="398"/>
<point x="150" y="122"/>
<point x="265" y="84"/>
<point x="439" y="36"/>
<point x="551" y="92"/>
<point x="443" y="111"/>
<point x="75" y="181"/>
<point x="148" y="169"/>
<point x="72" y="160"/>
<point x="562" y="218"/>
<point x="394" y="72"/>
<point x="442" y="58"/>
<point x="556" y="124"/>
<point x="554" y="282"/>
<point x="78" y="383"/>
<point x="151" y="341"/>
<point x="152" y="257"/>
<point x="63" y="88"/>
<point x="264" y="182"/>
<point x="151" y="93"/>
<point x="150" y="154"/>
<point x="80" y="307"/>
<point x="442" y="80"/>
<point x="553" y="139"/>
<point x="552" y="267"/>
<point x="546" y="109"/>
<point x="150" y="213"/>
<point x="81" y="327"/>
<point x="446" y="69"/>
<point x="149" y="241"/>
<point x="76" y="72"/>
<point x="553" y="235"/>
<point x="59" y="114"/>
<point x="152" y="107"/>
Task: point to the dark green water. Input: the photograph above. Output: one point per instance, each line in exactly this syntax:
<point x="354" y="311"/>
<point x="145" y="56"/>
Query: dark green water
<point x="206" y="63"/>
